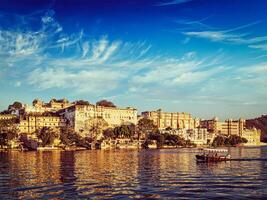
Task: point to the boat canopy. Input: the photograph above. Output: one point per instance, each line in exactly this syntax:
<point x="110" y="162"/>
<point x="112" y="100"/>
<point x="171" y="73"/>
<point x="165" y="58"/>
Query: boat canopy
<point x="215" y="150"/>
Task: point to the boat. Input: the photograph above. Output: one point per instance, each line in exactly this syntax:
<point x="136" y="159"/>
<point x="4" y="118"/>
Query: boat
<point x="213" y="155"/>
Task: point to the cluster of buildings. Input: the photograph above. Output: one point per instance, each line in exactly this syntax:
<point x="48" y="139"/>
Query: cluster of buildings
<point x="61" y="113"/>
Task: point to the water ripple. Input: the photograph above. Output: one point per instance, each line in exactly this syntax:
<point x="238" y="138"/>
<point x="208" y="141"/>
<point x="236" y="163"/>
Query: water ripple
<point x="132" y="174"/>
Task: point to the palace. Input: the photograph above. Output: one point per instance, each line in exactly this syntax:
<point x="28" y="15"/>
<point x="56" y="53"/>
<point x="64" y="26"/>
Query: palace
<point x="232" y="127"/>
<point x="31" y="123"/>
<point x="7" y="116"/>
<point x="77" y="116"/>
<point x="38" y="106"/>
<point x="228" y="127"/>
<point x="252" y="135"/>
<point x="173" y="120"/>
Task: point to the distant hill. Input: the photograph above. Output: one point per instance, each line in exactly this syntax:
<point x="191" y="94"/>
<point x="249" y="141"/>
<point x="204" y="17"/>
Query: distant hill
<point x="259" y="123"/>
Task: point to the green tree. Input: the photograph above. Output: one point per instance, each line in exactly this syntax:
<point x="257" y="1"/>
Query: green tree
<point x="95" y="127"/>
<point x="109" y="133"/>
<point x="8" y="131"/>
<point x="82" y="102"/>
<point x="231" y="140"/>
<point x="47" y="135"/>
<point x="175" y="140"/>
<point x="146" y="126"/>
<point x="236" y="139"/>
<point x="124" y="131"/>
<point x="105" y="103"/>
<point x="218" y="141"/>
<point x="69" y="137"/>
<point x="15" y="105"/>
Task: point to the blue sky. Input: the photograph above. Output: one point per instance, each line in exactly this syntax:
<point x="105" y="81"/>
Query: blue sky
<point x="208" y="58"/>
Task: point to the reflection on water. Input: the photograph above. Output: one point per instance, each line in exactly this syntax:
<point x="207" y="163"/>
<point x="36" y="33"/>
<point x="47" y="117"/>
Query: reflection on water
<point x="132" y="174"/>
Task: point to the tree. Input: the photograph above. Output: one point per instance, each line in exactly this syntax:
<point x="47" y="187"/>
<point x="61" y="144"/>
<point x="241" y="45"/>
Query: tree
<point x="124" y="131"/>
<point x="109" y="133"/>
<point x="69" y="137"/>
<point x="15" y="105"/>
<point x="231" y="140"/>
<point x="47" y="135"/>
<point x="8" y="131"/>
<point x="145" y="126"/>
<point x="167" y="139"/>
<point x="218" y="141"/>
<point x="95" y="127"/>
<point x="174" y="140"/>
<point x="82" y="102"/>
<point x="105" y="103"/>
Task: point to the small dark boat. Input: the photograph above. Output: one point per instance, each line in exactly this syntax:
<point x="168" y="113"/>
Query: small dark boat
<point x="213" y="155"/>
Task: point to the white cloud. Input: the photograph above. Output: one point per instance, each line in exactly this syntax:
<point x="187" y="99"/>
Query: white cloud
<point x="196" y="77"/>
<point x="231" y="36"/>
<point x="260" y="68"/>
<point x="259" y="46"/>
<point x="99" y="47"/>
<point x="172" y="2"/>
<point x="17" y="84"/>
<point x="95" y="81"/>
<point x="85" y="48"/>
<point x="113" y="67"/>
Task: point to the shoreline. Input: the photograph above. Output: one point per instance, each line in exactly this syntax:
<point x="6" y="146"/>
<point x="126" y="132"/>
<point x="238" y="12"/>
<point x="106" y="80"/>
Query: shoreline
<point x="41" y="149"/>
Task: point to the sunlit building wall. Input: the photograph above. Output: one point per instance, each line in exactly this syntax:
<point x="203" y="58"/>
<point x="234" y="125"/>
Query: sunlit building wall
<point x="173" y="120"/>
<point x="77" y="115"/>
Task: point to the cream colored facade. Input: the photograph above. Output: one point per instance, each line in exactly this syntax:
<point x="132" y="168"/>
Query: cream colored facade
<point x="197" y="136"/>
<point x="7" y="116"/>
<point x="174" y="120"/>
<point x="233" y="127"/>
<point x="228" y="127"/>
<point x="78" y="115"/>
<point x="252" y="135"/>
<point x="38" y="106"/>
<point x="30" y="124"/>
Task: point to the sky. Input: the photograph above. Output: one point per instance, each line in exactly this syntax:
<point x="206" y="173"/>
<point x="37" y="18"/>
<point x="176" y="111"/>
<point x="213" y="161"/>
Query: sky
<point x="205" y="57"/>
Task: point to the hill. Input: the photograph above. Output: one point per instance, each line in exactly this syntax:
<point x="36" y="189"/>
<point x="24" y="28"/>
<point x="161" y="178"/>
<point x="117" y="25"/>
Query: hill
<point x="259" y="123"/>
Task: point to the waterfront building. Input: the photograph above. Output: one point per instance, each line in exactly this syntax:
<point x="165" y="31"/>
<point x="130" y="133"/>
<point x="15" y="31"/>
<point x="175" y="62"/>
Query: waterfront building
<point x="78" y="116"/>
<point x="174" y="120"/>
<point x="199" y="136"/>
<point x="232" y="127"/>
<point x="31" y="123"/>
<point x="228" y="127"/>
<point x="252" y="135"/>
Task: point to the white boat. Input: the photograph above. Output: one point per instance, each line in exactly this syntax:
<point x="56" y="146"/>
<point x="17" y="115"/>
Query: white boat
<point x="213" y="155"/>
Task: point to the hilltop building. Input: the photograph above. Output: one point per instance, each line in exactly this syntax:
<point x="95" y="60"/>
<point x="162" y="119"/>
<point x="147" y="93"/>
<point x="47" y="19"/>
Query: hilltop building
<point x="38" y="106"/>
<point x="174" y="120"/>
<point x="77" y="116"/>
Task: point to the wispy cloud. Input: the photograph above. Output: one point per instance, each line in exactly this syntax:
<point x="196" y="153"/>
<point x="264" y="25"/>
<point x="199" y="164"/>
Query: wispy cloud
<point x="98" y="66"/>
<point x="48" y="58"/>
<point x="172" y="2"/>
<point x="259" y="46"/>
<point x="231" y="36"/>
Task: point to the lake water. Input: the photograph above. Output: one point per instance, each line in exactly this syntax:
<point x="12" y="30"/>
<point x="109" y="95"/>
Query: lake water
<point x="127" y="174"/>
